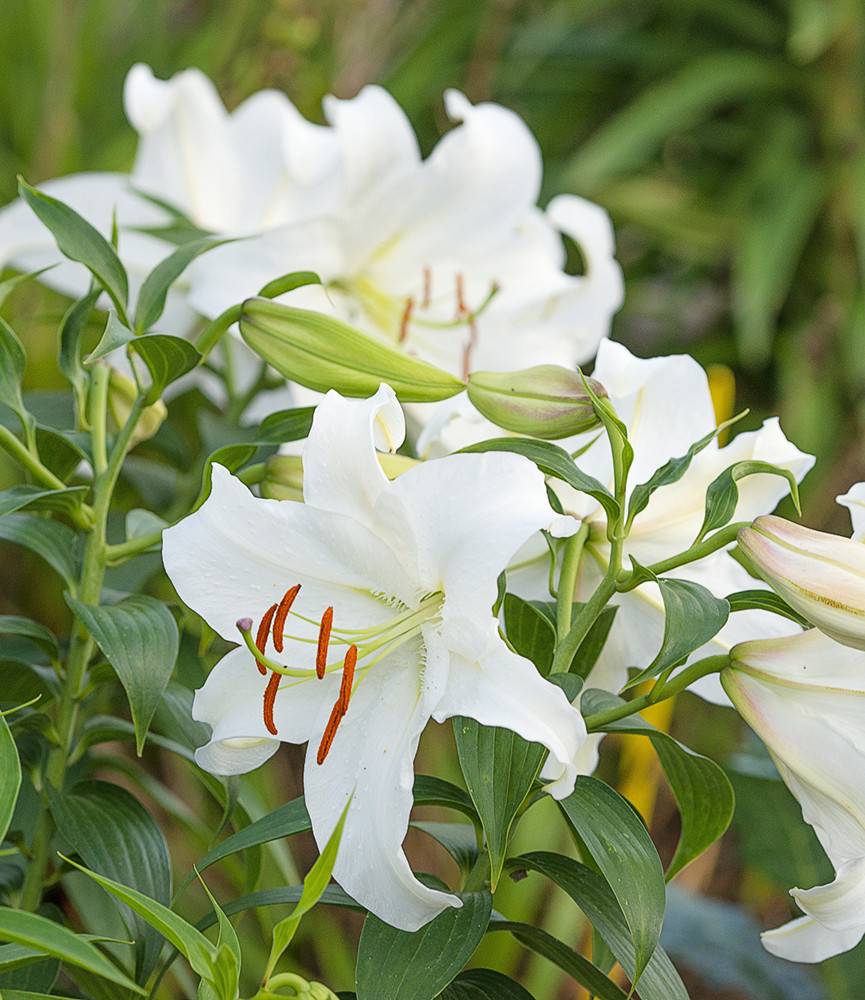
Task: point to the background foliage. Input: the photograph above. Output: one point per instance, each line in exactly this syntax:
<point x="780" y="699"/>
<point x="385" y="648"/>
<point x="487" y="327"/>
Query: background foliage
<point x="726" y="140"/>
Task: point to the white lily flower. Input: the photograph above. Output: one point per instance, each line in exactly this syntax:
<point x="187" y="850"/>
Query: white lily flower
<point x="401" y="576"/>
<point x="666" y="405"/>
<point x="804" y="696"/>
<point x="854" y="501"/>
<point x="259" y="166"/>
<point x="820" y="574"/>
<point x="449" y="256"/>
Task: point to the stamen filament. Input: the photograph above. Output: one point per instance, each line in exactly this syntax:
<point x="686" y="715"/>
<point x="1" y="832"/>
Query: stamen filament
<point x="261" y="637"/>
<point x="264" y="661"/>
<point x="281" y="615"/>
<point x="323" y="640"/>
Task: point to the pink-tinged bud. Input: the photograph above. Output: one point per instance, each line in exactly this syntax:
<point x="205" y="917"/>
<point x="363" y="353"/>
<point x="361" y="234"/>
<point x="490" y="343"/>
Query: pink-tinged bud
<point x="822" y="576"/>
<point x="244" y="624"/>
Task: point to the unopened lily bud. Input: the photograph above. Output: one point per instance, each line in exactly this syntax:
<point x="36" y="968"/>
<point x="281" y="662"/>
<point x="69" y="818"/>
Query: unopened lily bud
<point x="284" y="477"/>
<point x="822" y="576"/>
<point x="122" y="393"/>
<point x="321" y="353"/>
<point x="547" y="401"/>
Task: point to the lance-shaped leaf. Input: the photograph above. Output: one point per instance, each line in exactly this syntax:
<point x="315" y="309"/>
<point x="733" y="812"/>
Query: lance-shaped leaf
<point x="530" y="630"/>
<point x="286" y="425"/>
<point x="764" y="600"/>
<point x="13" y="361"/>
<point x="10" y="776"/>
<point x="79" y="241"/>
<point x="72" y="327"/>
<point x="115" y="335"/>
<point x="623" y="851"/>
<point x="35" y="498"/>
<point x="485" y="984"/>
<point x="154" y="291"/>
<point x="50" y="938"/>
<point x="139" y="639"/>
<point x="314" y="885"/>
<point x="693" y="616"/>
<point x="129" y="848"/>
<point x="700" y="787"/>
<point x="722" y="496"/>
<point x="593" y="895"/>
<point x="321" y="353"/>
<point x="54" y="542"/>
<point x="167" y="359"/>
<point x="26" y="628"/>
<point x="8" y="286"/>
<point x="499" y="768"/>
<point x="395" y="965"/>
<point x="556" y="462"/>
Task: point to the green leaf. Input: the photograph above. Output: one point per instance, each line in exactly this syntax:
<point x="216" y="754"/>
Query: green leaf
<point x="395" y="965"/>
<point x="115" y="335"/>
<point x="13" y="361"/>
<point x="556" y="462"/>
<point x="722" y="496"/>
<point x="761" y="600"/>
<point x="671" y="471"/>
<point x="151" y="298"/>
<point x="56" y="543"/>
<point x="458" y="839"/>
<point x="700" y="787"/>
<point x="593" y="895"/>
<point x="693" y="616"/>
<point x="72" y="327"/>
<point x="10" y="777"/>
<point x="36" y="498"/>
<point x="623" y="851"/>
<point x="232" y="457"/>
<point x="28" y="629"/>
<point x="485" y="984"/>
<point x="286" y="895"/>
<point x="289" y="283"/>
<point x="530" y="631"/>
<point x="8" y="286"/>
<point x="167" y="359"/>
<point x="314" y="884"/>
<point x="227" y="965"/>
<point x="188" y="940"/>
<point x="79" y="241"/>
<point x="129" y="848"/>
<point x="499" y="768"/>
<point x="592" y="646"/>
<point x="51" y="938"/>
<point x="60" y="451"/>
<point x="286" y="425"/>
<point x="580" y="969"/>
<point x="139" y="639"/>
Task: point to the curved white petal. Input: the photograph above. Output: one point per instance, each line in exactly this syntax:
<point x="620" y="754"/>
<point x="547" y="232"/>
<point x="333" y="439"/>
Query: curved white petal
<point x="806" y="940"/>
<point x="506" y="690"/>
<point x="238" y="554"/>
<point x="371" y="763"/>
<point x="468" y="515"/>
<point x="341" y="471"/>
<point x="231" y="702"/>
<point x="854" y="501"/>
<point x="840" y="905"/>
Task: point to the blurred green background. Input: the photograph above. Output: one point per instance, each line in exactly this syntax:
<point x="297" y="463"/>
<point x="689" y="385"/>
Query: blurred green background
<point x="725" y="137"/>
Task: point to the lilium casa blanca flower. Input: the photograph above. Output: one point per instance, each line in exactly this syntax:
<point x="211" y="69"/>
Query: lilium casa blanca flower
<point x="370" y="607"/>
<point x="804" y="696"/>
<point x="666" y="406"/>
<point x="449" y="257"/>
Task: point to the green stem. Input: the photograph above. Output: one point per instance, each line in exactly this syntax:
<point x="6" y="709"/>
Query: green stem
<point x="97" y="417"/>
<point x="720" y="540"/>
<point x="216" y="329"/>
<point x="122" y="551"/>
<point x="682" y="680"/>
<point x="568" y="580"/>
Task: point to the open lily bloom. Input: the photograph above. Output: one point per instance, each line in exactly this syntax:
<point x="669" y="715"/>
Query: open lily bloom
<point x="391" y="626"/>
<point x="449" y="256"/>
<point x="233" y="173"/>
<point x="666" y="404"/>
<point x="804" y="696"/>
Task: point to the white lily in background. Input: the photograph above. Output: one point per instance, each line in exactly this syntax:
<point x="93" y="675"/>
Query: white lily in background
<point x="375" y="599"/>
<point x="666" y="405"/>
<point x="259" y="166"/>
<point x="449" y="256"/>
<point x="804" y="696"/>
<point x="854" y="501"/>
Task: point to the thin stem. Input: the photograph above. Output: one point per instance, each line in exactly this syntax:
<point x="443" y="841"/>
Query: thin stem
<point x="215" y="330"/>
<point x="122" y="551"/>
<point x="682" y="680"/>
<point x="97" y="416"/>
<point x="568" y="580"/>
<point x="566" y="649"/>
<point x="720" y="540"/>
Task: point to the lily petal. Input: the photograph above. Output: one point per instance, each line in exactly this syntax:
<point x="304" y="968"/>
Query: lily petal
<point x="854" y="501"/>
<point x="371" y="764"/>
<point x="806" y="940"/>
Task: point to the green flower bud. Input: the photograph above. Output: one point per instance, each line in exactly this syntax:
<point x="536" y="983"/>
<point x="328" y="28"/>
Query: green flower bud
<point x="121" y="395"/>
<point x="546" y="401"/>
<point x="321" y="353"/>
<point x="284" y="477"/>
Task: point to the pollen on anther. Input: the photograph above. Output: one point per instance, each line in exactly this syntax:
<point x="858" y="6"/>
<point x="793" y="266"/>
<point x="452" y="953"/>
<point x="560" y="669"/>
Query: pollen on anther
<point x="323" y="643"/>
<point x="329" y="732"/>
<point x="406" y="320"/>
<point x="347" y="678"/>
<point x="281" y="616"/>
<point x="269" y="700"/>
<point x="427" y="287"/>
<point x="261" y="635"/>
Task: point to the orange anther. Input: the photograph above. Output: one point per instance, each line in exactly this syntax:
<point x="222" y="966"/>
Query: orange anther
<point x="281" y="615"/>
<point x="269" y="701"/>
<point x="406" y="319"/>
<point x="347" y="678"/>
<point x="323" y="641"/>
<point x="261" y="635"/>
<point x="329" y="732"/>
